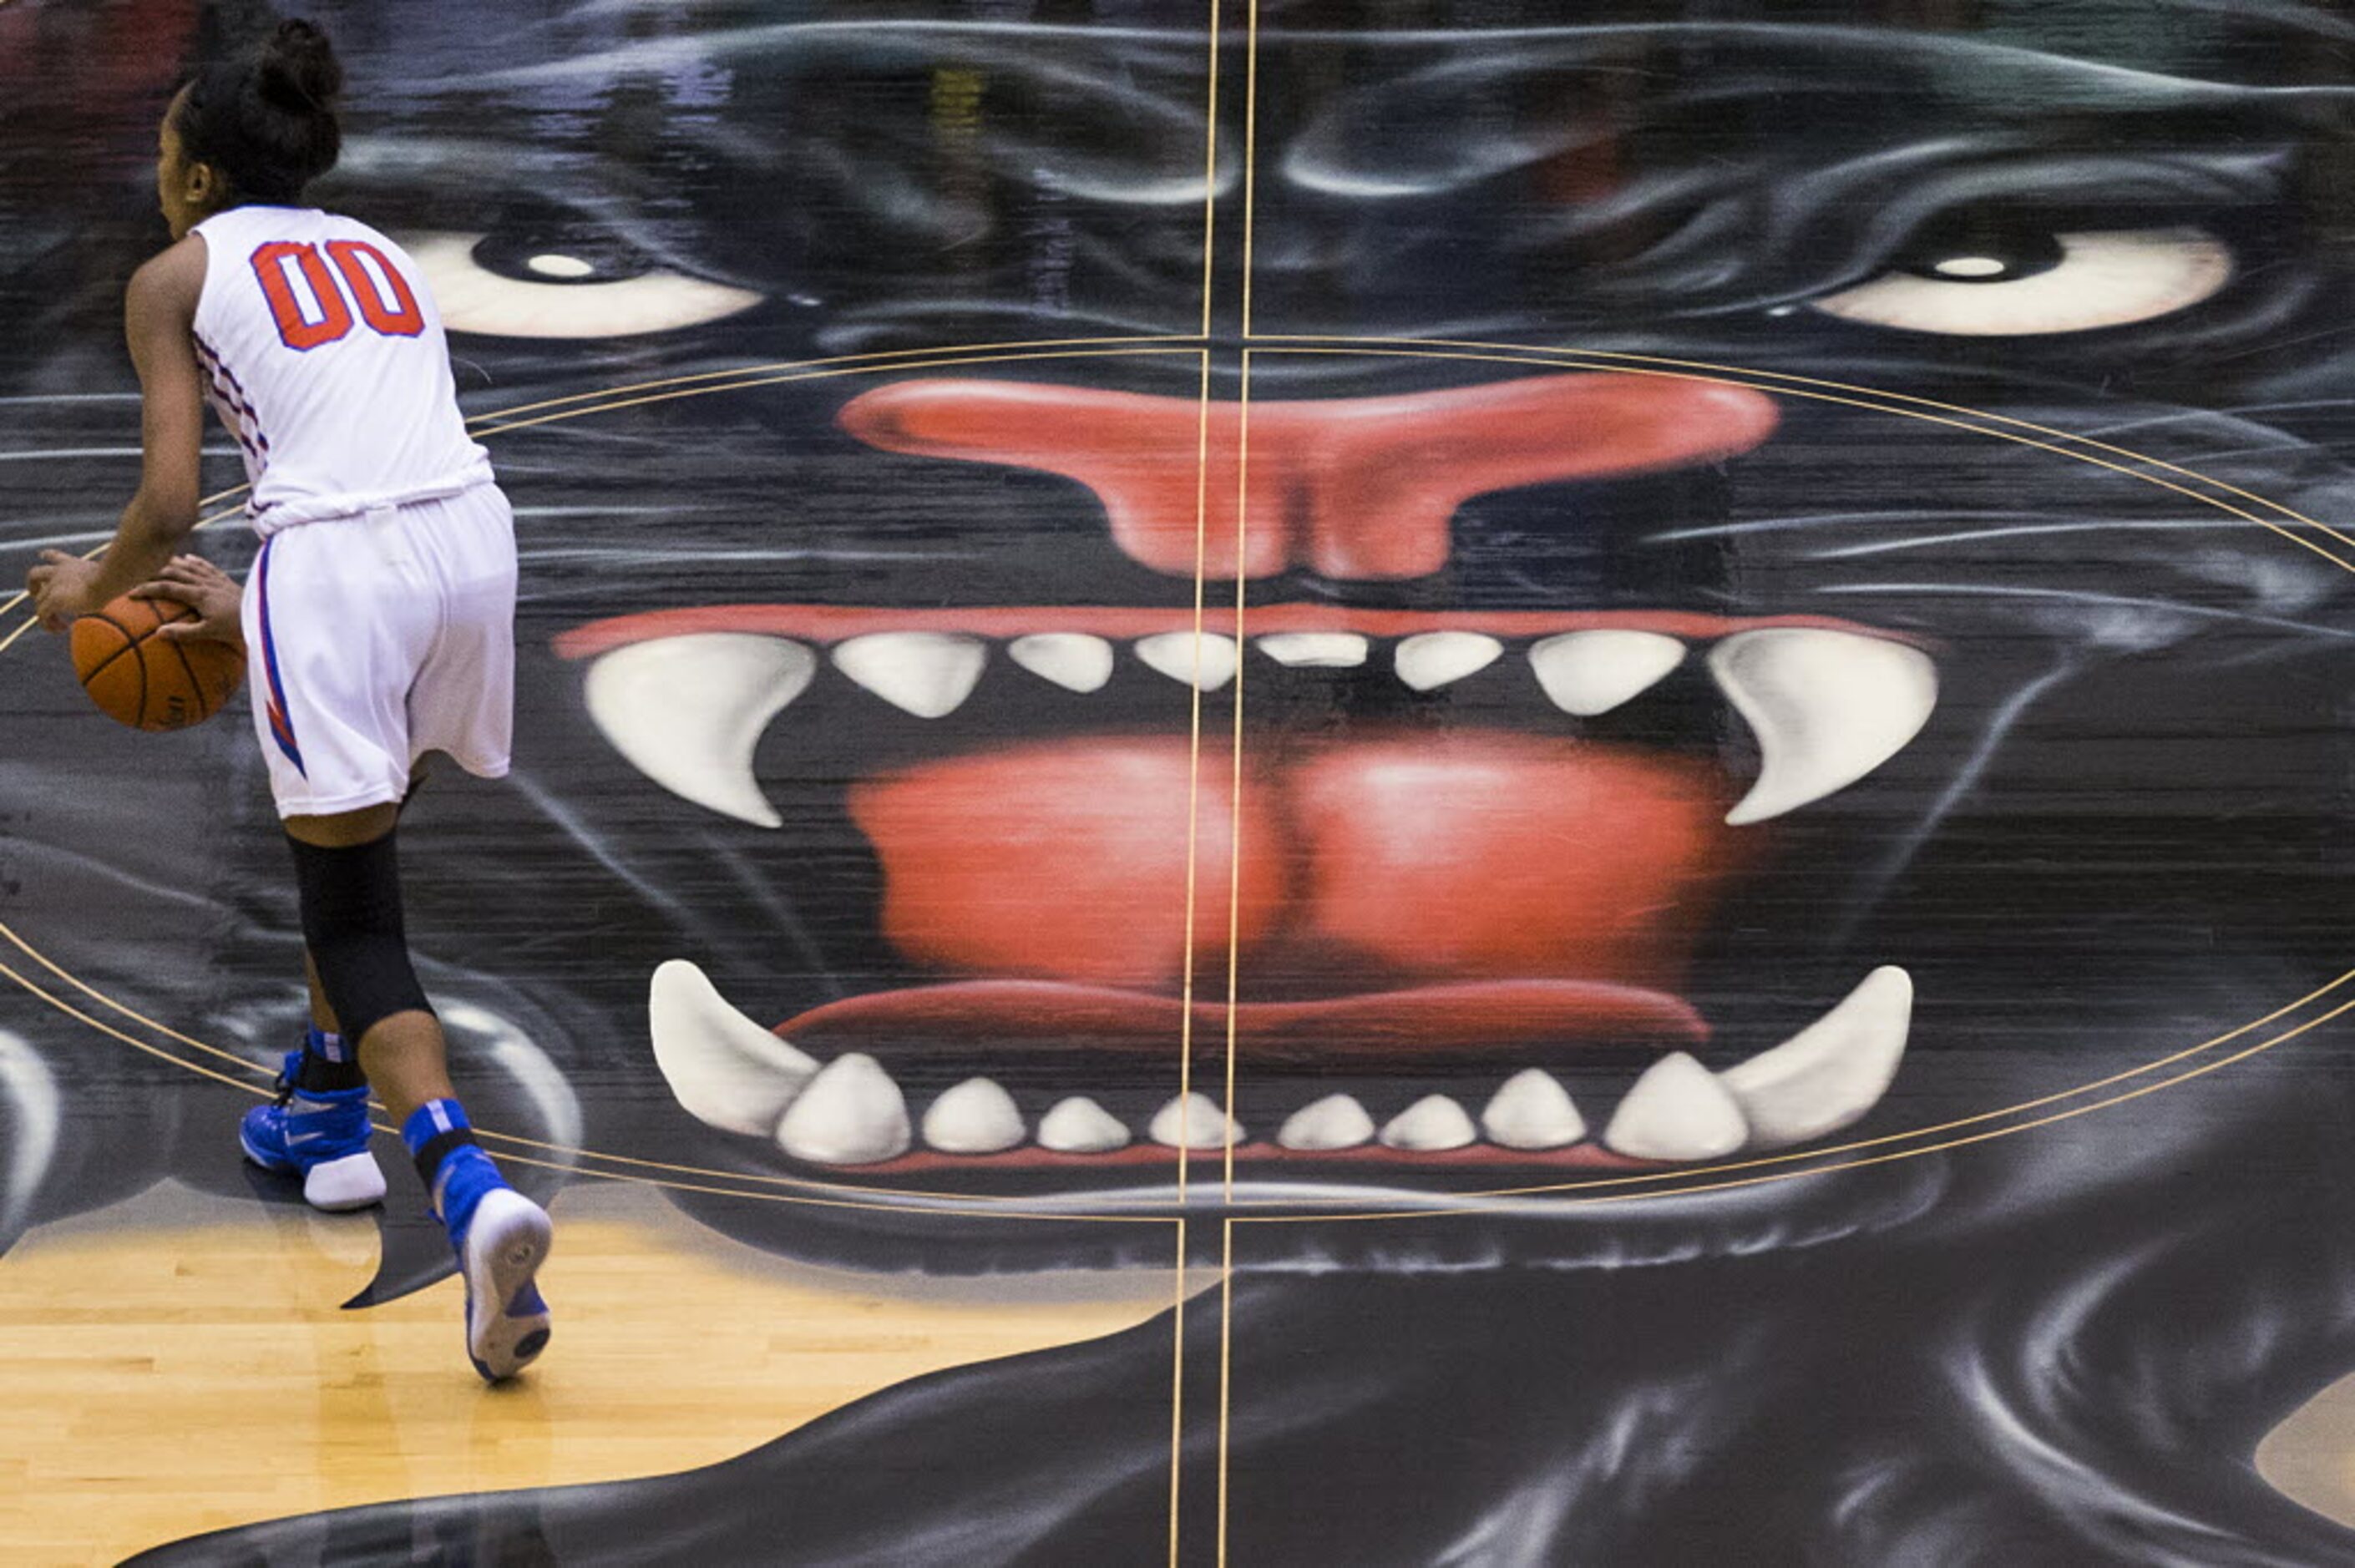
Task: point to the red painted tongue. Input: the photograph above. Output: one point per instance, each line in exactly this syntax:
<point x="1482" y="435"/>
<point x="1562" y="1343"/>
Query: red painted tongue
<point x="1471" y="1015"/>
<point x="1392" y="864"/>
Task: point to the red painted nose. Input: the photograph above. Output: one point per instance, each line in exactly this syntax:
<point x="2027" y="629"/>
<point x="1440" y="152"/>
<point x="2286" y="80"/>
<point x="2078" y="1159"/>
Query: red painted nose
<point x="1345" y="487"/>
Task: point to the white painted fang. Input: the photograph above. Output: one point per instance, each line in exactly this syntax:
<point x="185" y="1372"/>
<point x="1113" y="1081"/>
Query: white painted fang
<point x="1829" y="1073"/>
<point x="850" y="1114"/>
<point x="1173" y="654"/>
<point x="1590" y="672"/>
<point x="725" y="1070"/>
<point x="28" y="1090"/>
<point x="1677" y="1110"/>
<point x="1431" y="1123"/>
<point x="1827" y="708"/>
<point x="687" y="711"/>
<point x="1073" y="660"/>
<point x="1315" y="650"/>
<point x="1429" y="660"/>
<point x="1336" y="1122"/>
<point x="976" y="1116"/>
<point x="1194" y="1121"/>
<point x="1080" y="1125"/>
<point x="927" y="673"/>
<point x="1532" y="1111"/>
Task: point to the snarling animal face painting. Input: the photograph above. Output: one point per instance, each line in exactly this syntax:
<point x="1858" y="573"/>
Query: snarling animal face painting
<point x="1489" y="642"/>
<point x="1689" y="631"/>
<point x="1721" y="736"/>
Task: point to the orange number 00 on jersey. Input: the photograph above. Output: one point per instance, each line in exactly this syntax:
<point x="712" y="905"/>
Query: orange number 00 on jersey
<point x="352" y="273"/>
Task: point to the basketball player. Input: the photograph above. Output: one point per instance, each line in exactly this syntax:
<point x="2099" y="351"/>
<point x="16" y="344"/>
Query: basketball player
<point x="381" y="614"/>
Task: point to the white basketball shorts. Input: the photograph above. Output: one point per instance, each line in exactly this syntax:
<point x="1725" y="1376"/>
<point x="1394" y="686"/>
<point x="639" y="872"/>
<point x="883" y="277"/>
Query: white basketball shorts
<point x="371" y="640"/>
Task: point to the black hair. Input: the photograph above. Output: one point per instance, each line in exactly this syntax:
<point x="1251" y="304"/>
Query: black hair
<point x="264" y="116"/>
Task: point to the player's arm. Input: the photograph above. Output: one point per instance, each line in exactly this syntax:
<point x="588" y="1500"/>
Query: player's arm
<point x="159" y="316"/>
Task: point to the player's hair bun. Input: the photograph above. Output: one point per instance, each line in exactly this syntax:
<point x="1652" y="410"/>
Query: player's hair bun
<point x="298" y="69"/>
<point x="262" y="112"/>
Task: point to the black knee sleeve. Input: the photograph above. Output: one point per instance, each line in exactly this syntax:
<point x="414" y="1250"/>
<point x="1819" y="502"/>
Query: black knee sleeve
<point x="351" y="919"/>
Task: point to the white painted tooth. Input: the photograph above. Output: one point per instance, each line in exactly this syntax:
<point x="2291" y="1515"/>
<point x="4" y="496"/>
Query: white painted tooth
<point x="1428" y="660"/>
<point x="1073" y="660"/>
<point x="976" y="1116"/>
<point x="1080" y="1125"/>
<point x="1827" y="708"/>
<point x="1590" y="672"/>
<point x="725" y="1070"/>
<point x="1432" y="1122"/>
<point x="850" y="1114"/>
<point x="687" y="711"/>
<point x="1194" y="1121"/>
<point x="1336" y="1122"/>
<point x="927" y="673"/>
<point x="1173" y="654"/>
<point x="1317" y="649"/>
<point x="1677" y="1110"/>
<point x="1833" y="1071"/>
<point x="1532" y="1111"/>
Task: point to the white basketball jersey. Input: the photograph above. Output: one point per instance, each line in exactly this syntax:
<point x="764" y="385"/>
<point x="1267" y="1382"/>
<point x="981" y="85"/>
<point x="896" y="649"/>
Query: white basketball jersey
<point x="323" y="354"/>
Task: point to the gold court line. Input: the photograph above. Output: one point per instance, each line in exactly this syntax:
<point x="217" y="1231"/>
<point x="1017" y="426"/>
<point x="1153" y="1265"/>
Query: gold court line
<point x="825" y="375"/>
<point x="787" y="1199"/>
<point x="1194" y="731"/>
<point x="1226" y="1272"/>
<point x="1414" y="354"/>
<point x="2185" y="1077"/>
<point x="1226" y="1368"/>
<point x="880" y="360"/>
<point x="1186" y="966"/>
<point x="571" y="1151"/>
<point x="1731" y="378"/>
<point x="1193" y="787"/>
<point x="1210" y="180"/>
<point x="1907" y="398"/>
<point x="795" y="371"/>
<point x="1794" y="1156"/>
<point x="1234" y="892"/>
<point x="1659" y="1179"/>
<point x="1759" y="379"/>
<point x="1177" y="1390"/>
<point x="1251" y="156"/>
<point x="1235" y="783"/>
<point x="1073" y="1217"/>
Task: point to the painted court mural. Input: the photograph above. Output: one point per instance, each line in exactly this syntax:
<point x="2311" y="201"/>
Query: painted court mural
<point x="1607" y="742"/>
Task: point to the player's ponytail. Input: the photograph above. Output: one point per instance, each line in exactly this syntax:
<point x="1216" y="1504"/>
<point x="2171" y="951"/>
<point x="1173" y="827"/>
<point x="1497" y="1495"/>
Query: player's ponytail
<point x="264" y="116"/>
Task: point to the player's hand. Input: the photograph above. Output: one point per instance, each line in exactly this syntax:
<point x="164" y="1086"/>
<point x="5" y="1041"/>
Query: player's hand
<point x="204" y="588"/>
<point x="61" y="586"/>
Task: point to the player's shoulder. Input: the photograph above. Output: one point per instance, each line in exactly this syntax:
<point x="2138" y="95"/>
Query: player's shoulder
<point x="172" y="280"/>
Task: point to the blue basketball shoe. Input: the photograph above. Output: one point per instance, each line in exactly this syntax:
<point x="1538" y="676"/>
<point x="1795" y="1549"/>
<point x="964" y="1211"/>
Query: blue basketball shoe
<point x="320" y="1135"/>
<point x="501" y="1239"/>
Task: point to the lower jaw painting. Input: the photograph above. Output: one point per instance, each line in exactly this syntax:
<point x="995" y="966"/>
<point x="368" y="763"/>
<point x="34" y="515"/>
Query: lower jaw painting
<point x="1684" y="827"/>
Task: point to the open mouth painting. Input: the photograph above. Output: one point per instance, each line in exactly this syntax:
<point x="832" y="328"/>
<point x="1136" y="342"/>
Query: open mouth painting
<point x="1635" y="715"/>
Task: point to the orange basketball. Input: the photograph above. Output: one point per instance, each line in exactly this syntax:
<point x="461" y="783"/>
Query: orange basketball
<point x="149" y="681"/>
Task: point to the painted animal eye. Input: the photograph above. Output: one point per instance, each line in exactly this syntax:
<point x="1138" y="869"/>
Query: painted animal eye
<point x="2027" y="282"/>
<point x="559" y="290"/>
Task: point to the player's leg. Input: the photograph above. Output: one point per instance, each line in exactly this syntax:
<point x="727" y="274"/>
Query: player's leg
<point x="316" y="1127"/>
<point x="345" y="615"/>
<point x="347" y="873"/>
